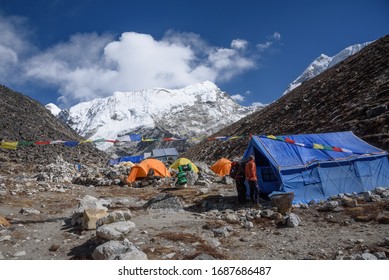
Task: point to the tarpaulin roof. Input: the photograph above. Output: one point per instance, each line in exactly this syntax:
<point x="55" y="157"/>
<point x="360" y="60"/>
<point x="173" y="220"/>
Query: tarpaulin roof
<point x="165" y="152"/>
<point x="283" y="154"/>
<point x="133" y="159"/>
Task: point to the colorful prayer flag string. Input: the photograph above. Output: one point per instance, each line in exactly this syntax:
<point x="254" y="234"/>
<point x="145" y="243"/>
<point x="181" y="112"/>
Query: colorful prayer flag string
<point x="124" y="138"/>
<point x="306" y="145"/>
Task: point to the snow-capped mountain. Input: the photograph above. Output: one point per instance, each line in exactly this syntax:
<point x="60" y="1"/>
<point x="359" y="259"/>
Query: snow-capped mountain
<point x="53" y="109"/>
<point x="194" y="111"/>
<point x="322" y="63"/>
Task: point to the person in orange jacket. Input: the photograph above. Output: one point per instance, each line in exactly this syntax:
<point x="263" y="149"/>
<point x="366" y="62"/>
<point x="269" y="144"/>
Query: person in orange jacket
<point x="251" y="176"/>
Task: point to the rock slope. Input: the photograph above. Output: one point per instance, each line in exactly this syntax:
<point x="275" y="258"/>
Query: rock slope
<point x="24" y="119"/>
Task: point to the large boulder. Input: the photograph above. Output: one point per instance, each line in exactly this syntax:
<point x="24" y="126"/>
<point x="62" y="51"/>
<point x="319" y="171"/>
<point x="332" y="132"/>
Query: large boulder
<point x="115" y="231"/>
<point x="118" y="250"/>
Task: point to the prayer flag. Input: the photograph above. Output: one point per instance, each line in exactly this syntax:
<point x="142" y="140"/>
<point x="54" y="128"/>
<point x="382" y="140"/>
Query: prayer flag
<point x="318" y="146"/>
<point x="8" y="145"/>
<point x="42" y="142"/>
<point x="25" y="143"/>
<point x="130" y="138"/>
<point x="71" y="143"/>
<point x="57" y="142"/>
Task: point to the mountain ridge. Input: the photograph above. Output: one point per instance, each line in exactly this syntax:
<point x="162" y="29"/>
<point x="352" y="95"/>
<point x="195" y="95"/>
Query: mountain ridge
<point x="322" y="63"/>
<point x="194" y="111"/>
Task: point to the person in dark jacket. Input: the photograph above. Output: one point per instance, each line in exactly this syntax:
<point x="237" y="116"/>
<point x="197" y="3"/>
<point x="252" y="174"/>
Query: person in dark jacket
<point x="251" y="176"/>
<point x="237" y="173"/>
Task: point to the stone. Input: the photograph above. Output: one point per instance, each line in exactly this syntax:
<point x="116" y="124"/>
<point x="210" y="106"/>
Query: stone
<point x="366" y="196"/>
<point x="91" y="216"/>
<point x="165" y="201"/>
<point x="4" y="222"/>
<point x="248" y="225"/>
<point x="169" y="256"/>
<point x="249" y="217"/>
<point x="267" y="213"/>
<point x="227" y="180"/>
<point x="203" y="183"/>
<point x="3" y="190"/>
<point x="244" y="239"/>
<point x="54" y="248"/>
<point x="5" y="238"/>
<point x="329" y="206"/>
<point x="20" y="254"/>
<point x="349" y="202"/>
<point x="231" y="219"/>
<point x="257" y="217"/>
<point x="293" y="220"/>
<point x="191" y="177"/>
<point x="29" y="211"/>
<point x="375" y="198"/>
<point x="221" y="232"/>
<point x="368" y="256"/>
<point x="113" y="217"/>
<point x="279" y="219"/>
<point x="204" y="256"/>
<point x="380" y="255"/>
<point x="118" y="250"/>
<point x="115" y="231"/>
<point x="88" y="202"/>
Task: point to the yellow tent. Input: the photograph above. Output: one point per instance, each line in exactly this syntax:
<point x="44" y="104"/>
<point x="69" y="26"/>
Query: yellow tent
<point x="222" y="167"/>
<point x="140" y="170"/>
<point x="184" y="161"/>
<point x="127" y="163"/>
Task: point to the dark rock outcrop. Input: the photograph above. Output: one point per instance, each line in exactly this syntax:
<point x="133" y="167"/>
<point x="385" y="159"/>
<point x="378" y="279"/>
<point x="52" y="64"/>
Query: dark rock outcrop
<point x="24" y="119"/>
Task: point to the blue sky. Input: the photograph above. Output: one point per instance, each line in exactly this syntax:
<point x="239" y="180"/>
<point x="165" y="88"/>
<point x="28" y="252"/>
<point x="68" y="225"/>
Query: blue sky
<point x="68" y="51"/>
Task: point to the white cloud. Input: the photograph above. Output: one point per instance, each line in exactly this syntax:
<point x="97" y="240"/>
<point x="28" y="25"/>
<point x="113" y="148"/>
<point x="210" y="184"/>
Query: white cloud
<point x="77" y="67"/>
<point x="239" y="44"/>
<point x="258" y="104"/>
<point x="89" y="66"/>
<point x="228" y="63"/>
<point x="14" y="45"/>
<point x="271" y="40"/>
<point x="276" y="36"/>
<point x="238" y="97"/>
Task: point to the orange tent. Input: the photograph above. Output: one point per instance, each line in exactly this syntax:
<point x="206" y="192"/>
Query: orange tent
<point x="140" y="170"/>
<point x="222" y="167"/>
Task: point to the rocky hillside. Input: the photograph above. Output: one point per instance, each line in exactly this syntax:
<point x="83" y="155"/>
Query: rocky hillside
<point x="351" y="96"/>
<point x="24" y="119"/>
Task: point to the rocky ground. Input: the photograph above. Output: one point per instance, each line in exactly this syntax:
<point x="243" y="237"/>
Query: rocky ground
<point x="45" y="215"/>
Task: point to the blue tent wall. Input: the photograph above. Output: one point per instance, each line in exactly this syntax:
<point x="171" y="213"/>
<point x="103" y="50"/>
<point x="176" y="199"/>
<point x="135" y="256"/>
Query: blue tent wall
<point x="133" y="159"/>
<point x="317" y="174"/>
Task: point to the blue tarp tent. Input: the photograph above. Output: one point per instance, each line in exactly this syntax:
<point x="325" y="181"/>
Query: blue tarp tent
<point x="133" y="159"/>
<point x="301" y="165"/>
